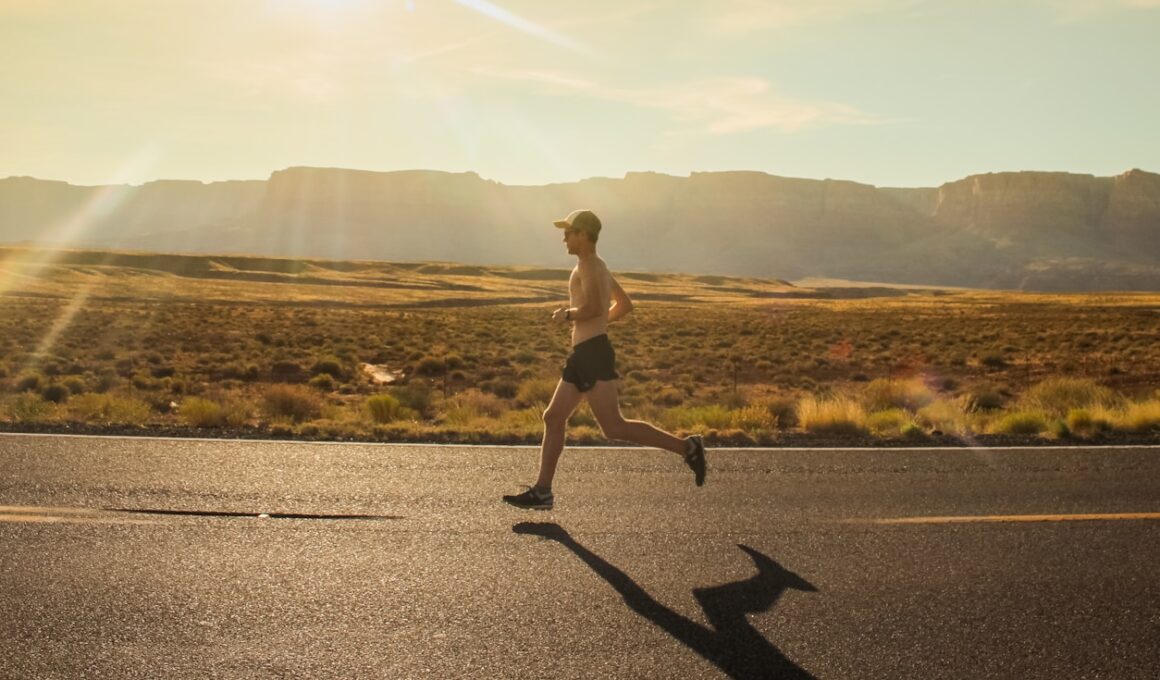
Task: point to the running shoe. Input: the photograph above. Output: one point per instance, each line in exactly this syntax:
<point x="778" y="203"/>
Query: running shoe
<point x="695" y="459"/>
<point x="530" y="500"/>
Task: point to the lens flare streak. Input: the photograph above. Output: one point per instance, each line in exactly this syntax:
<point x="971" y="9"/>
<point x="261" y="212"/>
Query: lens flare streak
<point x="521" y="24"/>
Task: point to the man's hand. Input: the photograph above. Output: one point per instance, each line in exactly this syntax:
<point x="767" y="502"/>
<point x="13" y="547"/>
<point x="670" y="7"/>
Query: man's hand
<point x="560" y="314"/>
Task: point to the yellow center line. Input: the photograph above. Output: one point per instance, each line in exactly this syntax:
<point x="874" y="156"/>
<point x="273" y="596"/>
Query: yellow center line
<point x="44" y="509"/>
<point x="964" y="519"/>
<point x="50" y="515"/>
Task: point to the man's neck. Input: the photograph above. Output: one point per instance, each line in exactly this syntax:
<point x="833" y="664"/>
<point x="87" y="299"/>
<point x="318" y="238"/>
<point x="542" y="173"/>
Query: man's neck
<point x="586" y="255"/>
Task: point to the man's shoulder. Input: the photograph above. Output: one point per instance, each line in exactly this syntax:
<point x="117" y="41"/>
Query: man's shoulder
<point x="593" y="264"/>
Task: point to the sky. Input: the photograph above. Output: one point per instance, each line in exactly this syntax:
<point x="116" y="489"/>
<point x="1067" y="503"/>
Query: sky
<point x="885" y="92"/>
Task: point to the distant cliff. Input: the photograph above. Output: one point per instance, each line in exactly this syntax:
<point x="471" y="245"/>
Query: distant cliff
<point x="1029" y="230"/>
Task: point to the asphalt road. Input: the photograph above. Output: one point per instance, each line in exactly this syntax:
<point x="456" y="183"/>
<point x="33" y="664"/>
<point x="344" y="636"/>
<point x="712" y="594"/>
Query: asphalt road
<point x="146" y="558"/>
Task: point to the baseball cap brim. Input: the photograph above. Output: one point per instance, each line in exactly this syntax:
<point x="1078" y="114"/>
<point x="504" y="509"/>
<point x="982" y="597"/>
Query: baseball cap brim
<point x="562" y="224"/>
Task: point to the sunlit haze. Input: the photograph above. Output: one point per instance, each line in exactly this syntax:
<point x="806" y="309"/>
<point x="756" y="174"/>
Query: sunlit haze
<point x="887" y="92"/>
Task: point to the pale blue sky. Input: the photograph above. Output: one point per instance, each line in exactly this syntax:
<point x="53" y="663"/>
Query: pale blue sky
<point x="886" y="92"/>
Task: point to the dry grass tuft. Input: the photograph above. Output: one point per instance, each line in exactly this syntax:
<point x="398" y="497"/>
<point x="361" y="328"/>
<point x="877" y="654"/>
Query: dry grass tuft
<point x="837" y="415"/>
<point x="1057" y="396"/>
<point x="882" y="395"/>
<point x="1140" y="417"/>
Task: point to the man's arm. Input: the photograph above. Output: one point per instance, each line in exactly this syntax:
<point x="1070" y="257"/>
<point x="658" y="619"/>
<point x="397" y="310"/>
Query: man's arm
<point x="621" y="303"/>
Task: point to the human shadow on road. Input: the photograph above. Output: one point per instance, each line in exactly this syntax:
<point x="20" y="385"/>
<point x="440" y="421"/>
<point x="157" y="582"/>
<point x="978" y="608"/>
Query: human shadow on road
<point x="732" y="644"/>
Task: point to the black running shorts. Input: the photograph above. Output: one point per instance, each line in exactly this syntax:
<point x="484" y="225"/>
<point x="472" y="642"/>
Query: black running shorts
<point x="591" y="360"/>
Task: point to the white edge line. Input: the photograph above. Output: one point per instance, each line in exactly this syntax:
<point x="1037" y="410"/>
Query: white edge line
<point x="770" y="449"/>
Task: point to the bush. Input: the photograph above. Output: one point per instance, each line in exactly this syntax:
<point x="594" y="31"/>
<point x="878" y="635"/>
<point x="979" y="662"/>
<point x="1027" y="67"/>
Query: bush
<point x="56" y="393"/>
<point x="1057" y="396"/>
<point x="74" y="385"/>
<point x="1020" y="422"/>
<point x="754" y="418"/>
<point x="285" y="371"/>
<point x="501" y="387"/>
<point x="669" y="396"/>
<point x="782" y="408"/>
<point x="472" y="404"/>
<point x="29" y="382"/>
<point x="536" y="391"/>
<point x="295" y="402"/>
<point x="162" y="371"/>
<point x="831" y="416"/>
<point x="240" y="371"/>
<point x="985" y="399"/>
<point x="995" y="361"/>
<point x="331" y="366"/>
<point x="323" y="382"/>
<point x="416" y="396"/>
<point x="884" y="395"/>
<point x="199" y="412"/>
<point x="431" y="366"/>
<point x="383" y="408"/>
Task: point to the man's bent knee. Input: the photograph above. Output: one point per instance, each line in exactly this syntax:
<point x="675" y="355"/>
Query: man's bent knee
<point x="555" y="418"/>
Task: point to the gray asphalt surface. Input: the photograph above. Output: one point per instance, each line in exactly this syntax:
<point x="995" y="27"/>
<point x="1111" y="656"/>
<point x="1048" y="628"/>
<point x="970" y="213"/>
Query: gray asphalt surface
<point x="400" y="562"/>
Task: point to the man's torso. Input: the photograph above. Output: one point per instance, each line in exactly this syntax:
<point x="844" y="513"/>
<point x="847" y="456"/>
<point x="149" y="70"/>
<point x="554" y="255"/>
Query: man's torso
<point x="589" y="328"/>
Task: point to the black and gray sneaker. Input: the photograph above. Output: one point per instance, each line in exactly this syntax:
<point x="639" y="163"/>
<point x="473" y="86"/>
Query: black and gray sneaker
<point x="530" y="500"/>
<point x="695" y="458"/>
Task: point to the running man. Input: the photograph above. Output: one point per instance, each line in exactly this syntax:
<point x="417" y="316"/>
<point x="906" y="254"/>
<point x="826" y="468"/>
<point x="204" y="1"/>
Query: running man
<point x="595" y="299"/>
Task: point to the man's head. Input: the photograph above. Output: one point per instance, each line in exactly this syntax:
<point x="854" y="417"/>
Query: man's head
<point x="581" y="222"/>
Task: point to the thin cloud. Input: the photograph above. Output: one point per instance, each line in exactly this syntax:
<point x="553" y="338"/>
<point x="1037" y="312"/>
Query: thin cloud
<point x="719" y="106"/>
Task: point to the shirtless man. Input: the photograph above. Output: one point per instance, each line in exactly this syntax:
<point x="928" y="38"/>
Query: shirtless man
<point x="595" y="299"/>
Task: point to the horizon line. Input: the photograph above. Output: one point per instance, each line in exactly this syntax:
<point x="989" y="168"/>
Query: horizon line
<point x="627" y="174"/>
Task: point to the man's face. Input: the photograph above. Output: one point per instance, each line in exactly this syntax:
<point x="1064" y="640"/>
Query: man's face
<point x="573" y="238"/>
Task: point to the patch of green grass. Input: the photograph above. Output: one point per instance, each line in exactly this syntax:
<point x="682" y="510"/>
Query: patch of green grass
<point x="697" y="418"/>
<point x="888" y="423"/>
<point x="28" y="407"/>
<point x="198" y="412"/>
<point x="1021" y="422"/>
<point x="109" y="409"/>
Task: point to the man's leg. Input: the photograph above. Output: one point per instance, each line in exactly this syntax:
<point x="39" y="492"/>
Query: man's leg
<point x="606" y="407"/>
<point x="565" y="400"/>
